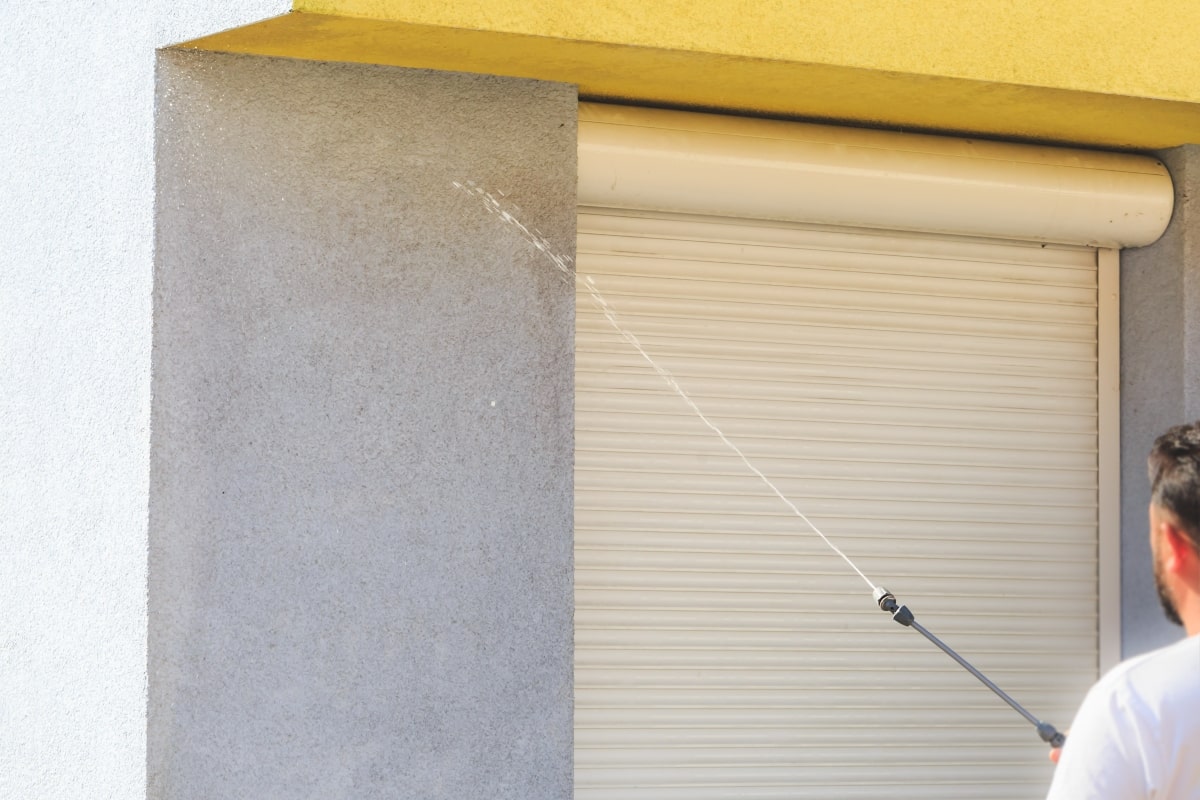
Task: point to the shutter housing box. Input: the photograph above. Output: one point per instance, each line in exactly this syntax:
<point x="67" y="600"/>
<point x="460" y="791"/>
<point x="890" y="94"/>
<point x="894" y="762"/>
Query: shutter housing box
<point x="818" y="174"/>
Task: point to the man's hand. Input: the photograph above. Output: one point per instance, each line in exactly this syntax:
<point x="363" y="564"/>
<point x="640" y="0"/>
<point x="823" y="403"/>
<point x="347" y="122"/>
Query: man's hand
<point x="1056" y="752"/>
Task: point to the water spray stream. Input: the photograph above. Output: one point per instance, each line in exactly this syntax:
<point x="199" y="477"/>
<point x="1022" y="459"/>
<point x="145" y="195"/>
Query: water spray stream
<point x="663" y="373"/>
<point x="884" y="599"/>
<point x="563" y="264"/>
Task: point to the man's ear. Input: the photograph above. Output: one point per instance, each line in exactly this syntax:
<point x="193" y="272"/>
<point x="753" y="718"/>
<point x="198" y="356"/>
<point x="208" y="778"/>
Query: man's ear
<point x="1178" y="556"/>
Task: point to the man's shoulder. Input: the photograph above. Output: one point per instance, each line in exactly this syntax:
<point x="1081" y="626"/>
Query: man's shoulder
<point x="1175" y="655"/>
<point x="1137" y="733"/>
<point x="1158" y="678"/>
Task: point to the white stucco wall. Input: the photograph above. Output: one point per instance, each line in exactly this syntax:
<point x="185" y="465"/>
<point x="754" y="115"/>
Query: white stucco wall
<point x="76" y="238"/>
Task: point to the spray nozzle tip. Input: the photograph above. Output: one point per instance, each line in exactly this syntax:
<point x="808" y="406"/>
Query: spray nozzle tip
<point x="885" y="599"/>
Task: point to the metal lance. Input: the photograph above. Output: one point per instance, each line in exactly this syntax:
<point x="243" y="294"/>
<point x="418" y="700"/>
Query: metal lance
<point x="887" y="602"/>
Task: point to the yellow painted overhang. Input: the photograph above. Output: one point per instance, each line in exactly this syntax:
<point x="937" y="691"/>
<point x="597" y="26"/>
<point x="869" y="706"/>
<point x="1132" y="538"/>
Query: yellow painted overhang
<point x="977" y="68"/>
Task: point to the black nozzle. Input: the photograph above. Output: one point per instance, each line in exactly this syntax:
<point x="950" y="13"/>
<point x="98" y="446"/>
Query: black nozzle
<point x="887" y="602"/>
<point x="885" y="599"/>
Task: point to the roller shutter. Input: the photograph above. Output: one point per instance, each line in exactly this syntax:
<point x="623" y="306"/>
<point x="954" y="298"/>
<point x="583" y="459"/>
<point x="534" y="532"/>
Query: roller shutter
<point x="930" y="400"/>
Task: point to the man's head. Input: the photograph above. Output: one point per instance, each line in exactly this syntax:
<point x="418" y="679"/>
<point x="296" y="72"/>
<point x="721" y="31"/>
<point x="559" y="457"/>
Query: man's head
<point x="1174" y="465"/>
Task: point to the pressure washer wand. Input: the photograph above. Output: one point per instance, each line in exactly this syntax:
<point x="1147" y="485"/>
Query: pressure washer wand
<point x="901" y="614"/>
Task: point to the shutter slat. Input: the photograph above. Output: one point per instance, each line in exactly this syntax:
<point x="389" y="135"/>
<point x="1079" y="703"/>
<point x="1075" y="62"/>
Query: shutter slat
<point x="801" y="339"/>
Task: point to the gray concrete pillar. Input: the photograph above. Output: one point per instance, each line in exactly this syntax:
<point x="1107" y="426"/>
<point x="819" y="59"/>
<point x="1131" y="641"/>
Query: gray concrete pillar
<point x="360" y="568"/>
<point x="1160" y="383"/>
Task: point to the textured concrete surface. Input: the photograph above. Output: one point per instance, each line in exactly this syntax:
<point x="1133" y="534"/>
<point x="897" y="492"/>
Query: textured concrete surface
<point x="361" y="467"/>
<point x="76" y="204"/>
<point x="1160" y="383"/>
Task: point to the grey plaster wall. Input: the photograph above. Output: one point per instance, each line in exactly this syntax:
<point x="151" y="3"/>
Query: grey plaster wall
<point x="360" y="568"/>
<point x="1160" y="383"/>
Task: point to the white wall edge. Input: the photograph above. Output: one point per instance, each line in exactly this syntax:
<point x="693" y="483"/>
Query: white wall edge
<point x="1109" y="458"/>
<point x="866" y="178"/>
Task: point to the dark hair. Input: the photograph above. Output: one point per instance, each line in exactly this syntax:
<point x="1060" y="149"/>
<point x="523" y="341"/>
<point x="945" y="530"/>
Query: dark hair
<point x="1174" y="465"/>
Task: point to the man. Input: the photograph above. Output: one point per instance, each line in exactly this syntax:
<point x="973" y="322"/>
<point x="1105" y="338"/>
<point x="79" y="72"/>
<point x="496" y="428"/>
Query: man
<point x="1137" y="734"/>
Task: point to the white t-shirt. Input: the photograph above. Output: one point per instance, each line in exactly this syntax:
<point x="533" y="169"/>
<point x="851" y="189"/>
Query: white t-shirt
<point x="1137" y="734"/>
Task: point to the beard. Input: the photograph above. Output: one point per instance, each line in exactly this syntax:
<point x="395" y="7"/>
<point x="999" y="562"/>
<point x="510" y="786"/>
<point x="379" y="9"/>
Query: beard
<point x="1164" y="596"/>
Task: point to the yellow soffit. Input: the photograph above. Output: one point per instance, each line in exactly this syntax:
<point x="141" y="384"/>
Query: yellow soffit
<point x="712" y="66"/>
